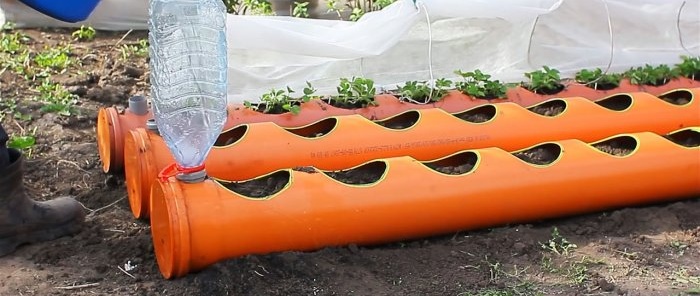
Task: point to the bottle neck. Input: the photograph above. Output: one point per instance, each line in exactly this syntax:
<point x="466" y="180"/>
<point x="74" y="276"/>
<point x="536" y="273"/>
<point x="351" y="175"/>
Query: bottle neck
<point x="193" y="177"/>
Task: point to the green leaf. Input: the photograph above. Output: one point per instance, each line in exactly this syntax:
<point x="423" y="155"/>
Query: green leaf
<point x="21" y="142"/>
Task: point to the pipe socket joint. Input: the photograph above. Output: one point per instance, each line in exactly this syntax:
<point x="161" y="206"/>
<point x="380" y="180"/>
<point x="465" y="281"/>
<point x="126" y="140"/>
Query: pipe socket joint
<point x="138" y="105"/>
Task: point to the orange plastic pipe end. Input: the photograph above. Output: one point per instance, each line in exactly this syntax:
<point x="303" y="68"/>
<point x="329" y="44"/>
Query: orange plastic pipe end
<point x="112" y="128"/>
<point x="142" y="164"/>
<point x="407" y="199"/>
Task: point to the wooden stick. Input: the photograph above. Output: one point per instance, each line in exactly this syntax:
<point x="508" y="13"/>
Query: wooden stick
<point x="78" y="286"/>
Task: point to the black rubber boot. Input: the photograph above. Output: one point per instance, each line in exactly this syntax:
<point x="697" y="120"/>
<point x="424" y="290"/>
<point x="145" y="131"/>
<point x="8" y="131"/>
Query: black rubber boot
<point x="4" y="156"/>
<point x="23" y="220"/>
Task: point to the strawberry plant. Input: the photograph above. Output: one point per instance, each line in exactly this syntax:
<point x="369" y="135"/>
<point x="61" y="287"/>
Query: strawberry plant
<point x="651" y="75"/>
<point x="544" y="81"/>
<point x="596" y="79"/>
<point x="689" y="67"/>
<point x="280" y="101"/>
<point x="357" y="92"/>
<point x="415" y="91"/>
<point x="478" y="84"/>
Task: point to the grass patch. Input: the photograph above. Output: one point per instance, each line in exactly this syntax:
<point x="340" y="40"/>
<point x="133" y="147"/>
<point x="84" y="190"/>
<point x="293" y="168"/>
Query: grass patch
<point x="139" y="49"/>
<point x="56" y="98"/>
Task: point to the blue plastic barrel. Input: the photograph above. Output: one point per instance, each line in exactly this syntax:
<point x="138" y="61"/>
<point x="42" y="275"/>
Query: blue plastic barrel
<point x="71" y="11"/>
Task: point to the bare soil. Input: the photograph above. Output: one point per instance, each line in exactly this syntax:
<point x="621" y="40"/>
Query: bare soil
<point x="551" y="108"/>
<point x="647" y="250"/>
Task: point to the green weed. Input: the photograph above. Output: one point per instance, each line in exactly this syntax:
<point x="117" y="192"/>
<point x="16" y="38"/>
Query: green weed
<point x="558" y="244"/>
<point x="56" y="98"/>
<point x="84" y="33"/>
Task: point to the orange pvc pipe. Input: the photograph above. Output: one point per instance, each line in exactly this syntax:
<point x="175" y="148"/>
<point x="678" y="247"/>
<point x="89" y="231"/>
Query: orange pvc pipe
<point x="526" y="97"/>
<point x="113" y="128"/>
<point x="313" y="211"/>
<point x="266" y="147"/>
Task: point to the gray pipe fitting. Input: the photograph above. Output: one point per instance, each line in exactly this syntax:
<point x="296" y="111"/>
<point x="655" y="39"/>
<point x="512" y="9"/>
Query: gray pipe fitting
<point x="138" y="105"/>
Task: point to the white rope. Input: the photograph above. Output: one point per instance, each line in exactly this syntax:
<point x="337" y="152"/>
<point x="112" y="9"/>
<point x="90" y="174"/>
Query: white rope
<point x="431" y="83"/>
<point x="611" y="39"/>
<point x="430" y="52"/>
<point x="678" y="26"/>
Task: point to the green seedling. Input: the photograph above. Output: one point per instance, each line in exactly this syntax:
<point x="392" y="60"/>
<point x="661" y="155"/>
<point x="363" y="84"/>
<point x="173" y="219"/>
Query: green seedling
<point x="8" y="26"/>
<point x="56" y="98"/>
<point x="689" y="67"/>
<point x="356" y="14"/>
<point x="301" y="9"/>
<point x="558" y="244"/>
<point x="308" y="91"/>
<point x="14" y="53"/>
<point x="423" y="92"/>
<point x="12" y="43"/>
<point x="24" y="142"/>
<point x="275" y="101"/>
<point x="679" y="246"/>
<point x="84" y="33"/>
<point x="381" y="4"/>
<point x="256" y="7"/>
<point x="140" y="49"/>
<point x="544" y="81"/>
<point x="596" y="79"/>
<point x="478" y="84"/>
<point x="19" y="64"/>
<point x="279" y="101"/>
<point x="359" y="8"/>
<point x="651" y="75"/>
<point x="355" y="92"/>
<point x="53" y="59"/>
<point x="9" y="107"/>
<point x="332" y="6"/>
<point x="21" y="142"/>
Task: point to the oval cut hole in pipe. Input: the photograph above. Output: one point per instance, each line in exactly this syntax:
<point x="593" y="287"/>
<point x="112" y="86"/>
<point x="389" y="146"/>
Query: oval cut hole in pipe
<point x="365" y="174"/>
<point x="687" y="138"/>
<point x="549" y="108"/>
<point x="619" y="102"/>
<point x="478" y="115"/>
<point x="617" y="146"/>
<point x="678" y="97"/>
<point x="402" y="121"/>
<point x="315" y="130"/>
<point x="231" y="136"/>
<point x="457" y="164"/>
<point x="262" y="187"/>
<point x="543" y="154"/>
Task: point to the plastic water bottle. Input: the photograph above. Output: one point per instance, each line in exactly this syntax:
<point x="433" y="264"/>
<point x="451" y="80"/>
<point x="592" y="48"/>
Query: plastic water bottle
<point x="188" y="62"/>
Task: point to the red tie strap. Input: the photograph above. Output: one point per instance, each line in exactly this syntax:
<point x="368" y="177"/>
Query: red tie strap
<point x="174" y="169"/>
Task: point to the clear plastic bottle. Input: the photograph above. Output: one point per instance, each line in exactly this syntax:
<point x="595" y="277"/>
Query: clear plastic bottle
<point x="188" y="62"/>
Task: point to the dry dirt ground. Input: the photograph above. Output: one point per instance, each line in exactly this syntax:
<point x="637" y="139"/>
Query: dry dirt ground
<point x="651" y="250"/>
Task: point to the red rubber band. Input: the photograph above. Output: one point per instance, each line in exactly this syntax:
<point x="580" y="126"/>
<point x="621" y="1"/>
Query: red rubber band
<point x="173" y="169"/>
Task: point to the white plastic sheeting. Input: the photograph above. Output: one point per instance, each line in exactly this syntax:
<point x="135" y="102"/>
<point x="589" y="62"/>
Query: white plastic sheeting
<point x="432" y="38"/>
